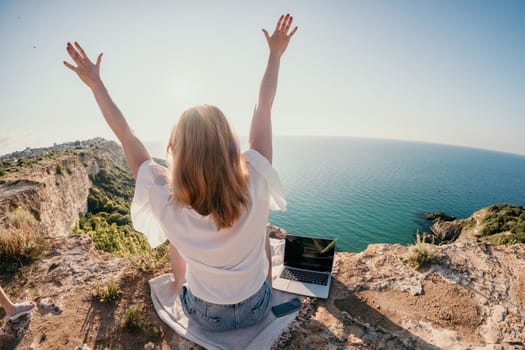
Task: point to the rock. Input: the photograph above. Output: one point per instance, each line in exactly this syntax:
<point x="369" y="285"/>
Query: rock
<point x="446" y="231"/>
<point x="149" y="346"/>
<point x="438" y="215"/>
<point x="47" y="305"/>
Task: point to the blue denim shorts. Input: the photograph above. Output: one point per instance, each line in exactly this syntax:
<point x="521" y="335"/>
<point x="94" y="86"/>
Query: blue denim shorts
<point x="217" y="317"/>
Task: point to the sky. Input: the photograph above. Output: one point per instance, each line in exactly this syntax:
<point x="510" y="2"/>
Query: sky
<point x="445" y="71"/>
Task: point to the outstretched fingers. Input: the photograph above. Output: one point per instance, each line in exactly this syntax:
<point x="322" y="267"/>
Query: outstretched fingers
<point x="292" y="32"/>
<point x="266" y="35"/>
<point x="279" y="23"/>
<point x="82" y="54"/>
<point x="99" y="60"/>
<point x="73" y="53"/>
<point x="70" y="66"/>
<point x="280" y="38"/>
<point x="288" y="24"/>
<point x="86" y="70"/>
<point x="284" y="24"/>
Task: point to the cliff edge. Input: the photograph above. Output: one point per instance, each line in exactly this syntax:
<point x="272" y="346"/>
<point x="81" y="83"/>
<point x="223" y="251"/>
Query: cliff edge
<point x="472" y="298"/>
<point x="470" y="295"/>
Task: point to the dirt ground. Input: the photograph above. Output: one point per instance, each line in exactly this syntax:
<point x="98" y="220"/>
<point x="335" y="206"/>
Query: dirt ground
<point x="68" y="315"/>
<point x="371" y="319"/>
<point x="376" y="301"/>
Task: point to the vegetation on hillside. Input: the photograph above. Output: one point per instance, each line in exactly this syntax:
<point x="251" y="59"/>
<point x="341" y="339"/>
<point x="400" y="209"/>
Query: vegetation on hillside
<point x="21" y="164"/>
<point x="108" y="221"/>
<point x="504" y="224"/>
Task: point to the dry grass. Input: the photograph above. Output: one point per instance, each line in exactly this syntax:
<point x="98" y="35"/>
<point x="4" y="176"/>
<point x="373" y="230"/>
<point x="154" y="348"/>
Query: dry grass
<point x="421" y="253"/>
<point x="21" y="218"/>
<point x="20" y="243"/>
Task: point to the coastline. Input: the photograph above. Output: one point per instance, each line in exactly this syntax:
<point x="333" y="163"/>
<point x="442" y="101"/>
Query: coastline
<point x="469" y="295"/>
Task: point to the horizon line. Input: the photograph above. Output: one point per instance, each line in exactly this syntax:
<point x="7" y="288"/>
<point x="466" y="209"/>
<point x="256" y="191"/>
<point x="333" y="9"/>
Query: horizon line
<point x="245" y="136"/>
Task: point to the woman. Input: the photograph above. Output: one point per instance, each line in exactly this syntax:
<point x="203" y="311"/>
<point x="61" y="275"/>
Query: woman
<point x="212" y="203"/>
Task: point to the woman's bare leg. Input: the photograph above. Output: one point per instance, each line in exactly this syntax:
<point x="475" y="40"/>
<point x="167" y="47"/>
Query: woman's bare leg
<point x="178" y="267"/>
<point x="6" y="302"/>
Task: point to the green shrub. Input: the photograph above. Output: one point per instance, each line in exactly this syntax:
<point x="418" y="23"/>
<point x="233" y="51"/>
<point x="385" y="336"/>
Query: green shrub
<point x="59" y="170"/>
<point x="135" y="319"/>
<point x="11" y="166"/>
<point x="115" y="181"/>
<point x="119" y="219"/>
<point x="108" y="220"/>
<point x="96" y="201"/>
<point x="504" y="218"/>
<point x="106" y="292"/>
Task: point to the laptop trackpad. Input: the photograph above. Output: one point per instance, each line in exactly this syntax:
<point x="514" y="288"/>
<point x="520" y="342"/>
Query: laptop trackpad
<point x="281" y="284"/>
<point x="307" y="289"/>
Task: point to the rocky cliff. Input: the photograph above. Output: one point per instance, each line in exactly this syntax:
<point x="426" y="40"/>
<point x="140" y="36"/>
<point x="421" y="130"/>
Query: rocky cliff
<point x="471" y="295"/>
<point x="55" y="190"/>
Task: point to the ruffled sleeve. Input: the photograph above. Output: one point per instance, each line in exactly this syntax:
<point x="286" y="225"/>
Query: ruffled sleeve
<point x="263" y="167"/>
<point x="150" y="200"/>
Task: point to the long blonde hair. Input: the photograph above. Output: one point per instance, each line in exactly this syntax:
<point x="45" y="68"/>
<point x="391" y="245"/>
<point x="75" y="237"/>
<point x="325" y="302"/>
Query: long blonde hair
<point x="208" y="172"/>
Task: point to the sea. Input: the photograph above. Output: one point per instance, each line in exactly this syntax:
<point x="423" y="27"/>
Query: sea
<point x="362" y="191"/>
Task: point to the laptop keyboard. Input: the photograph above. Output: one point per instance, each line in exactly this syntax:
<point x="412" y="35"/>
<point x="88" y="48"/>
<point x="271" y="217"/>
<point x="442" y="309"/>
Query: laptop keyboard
<point x="305" y="276"/>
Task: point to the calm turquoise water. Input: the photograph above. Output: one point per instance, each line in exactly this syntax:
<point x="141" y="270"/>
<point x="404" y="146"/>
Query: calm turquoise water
<point x="364" y="191"/>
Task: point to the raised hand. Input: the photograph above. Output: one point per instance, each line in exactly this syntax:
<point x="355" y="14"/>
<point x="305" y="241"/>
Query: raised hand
<point x="88" y="72"/>
<point x="278" y="41"/>
<point x="260" y="138"/>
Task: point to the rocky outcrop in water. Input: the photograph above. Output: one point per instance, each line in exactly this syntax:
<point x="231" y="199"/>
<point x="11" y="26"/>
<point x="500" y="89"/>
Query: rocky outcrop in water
<point x="446" y="231"/>
<point x="438" y="216"/>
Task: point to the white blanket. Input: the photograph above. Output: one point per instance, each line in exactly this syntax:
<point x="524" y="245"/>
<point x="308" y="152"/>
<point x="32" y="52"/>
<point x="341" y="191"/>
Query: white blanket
<point x="258" y="337"/>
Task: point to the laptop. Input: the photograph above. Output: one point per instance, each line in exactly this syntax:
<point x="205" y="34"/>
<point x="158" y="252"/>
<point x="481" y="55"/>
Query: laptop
<point x="308" y="266"/>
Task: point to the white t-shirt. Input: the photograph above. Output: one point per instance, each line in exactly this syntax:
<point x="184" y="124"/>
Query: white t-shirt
<point x="222" y="267"/>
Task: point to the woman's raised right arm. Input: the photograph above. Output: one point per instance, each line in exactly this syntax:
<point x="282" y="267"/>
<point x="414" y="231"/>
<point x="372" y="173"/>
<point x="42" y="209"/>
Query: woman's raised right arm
<point x="260" y="138"/>
<point x="89" y="73"/>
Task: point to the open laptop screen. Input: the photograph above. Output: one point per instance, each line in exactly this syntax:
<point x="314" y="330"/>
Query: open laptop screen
<point x="307" y="253"/>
